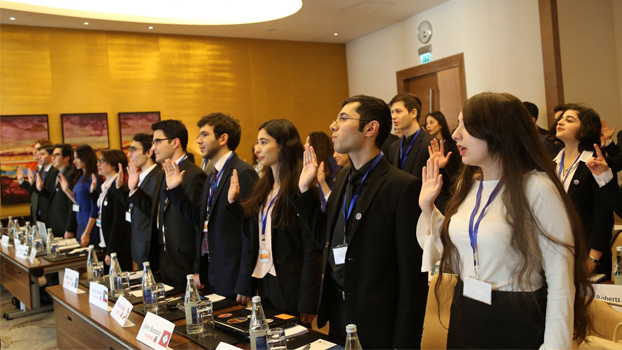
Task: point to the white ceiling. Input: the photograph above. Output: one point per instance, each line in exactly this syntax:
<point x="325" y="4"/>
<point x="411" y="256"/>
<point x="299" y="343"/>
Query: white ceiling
<point x="317" y="21"/>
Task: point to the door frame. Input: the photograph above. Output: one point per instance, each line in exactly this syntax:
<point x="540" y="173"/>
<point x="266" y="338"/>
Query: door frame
<point x="455" y="61"/>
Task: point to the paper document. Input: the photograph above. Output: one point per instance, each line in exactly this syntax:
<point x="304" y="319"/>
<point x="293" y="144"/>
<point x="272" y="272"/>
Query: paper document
<point x="295" y="331"/>
<point x="139" y="293"/>
<point x="319" y="344"/>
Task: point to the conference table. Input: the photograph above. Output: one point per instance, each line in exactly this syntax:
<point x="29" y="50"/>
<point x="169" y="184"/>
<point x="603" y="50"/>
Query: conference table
<point x="21" y="277"/>
<point x="82" y="325"/>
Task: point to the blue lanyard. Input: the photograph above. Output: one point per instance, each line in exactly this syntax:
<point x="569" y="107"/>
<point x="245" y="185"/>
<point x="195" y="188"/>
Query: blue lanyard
<point x="403" y="160"/>
<point x="355" y="197"/>
<point x="215" y="185"/>
<point x="182" y="158"/>
<point x="561" y="167"/>
<point x="264" y="217"/>
<point x="474" y="230"/>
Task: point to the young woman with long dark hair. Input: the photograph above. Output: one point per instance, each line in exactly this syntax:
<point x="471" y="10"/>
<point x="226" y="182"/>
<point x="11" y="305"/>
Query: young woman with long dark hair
<point x="286" y="261"/>
<point x="511" y="234"/>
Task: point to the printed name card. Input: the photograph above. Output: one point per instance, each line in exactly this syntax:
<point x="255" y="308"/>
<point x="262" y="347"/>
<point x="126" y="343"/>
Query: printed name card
<point x="21" y="251"/>
<point x="98" y="295"/>
<point x="33" y="257"/>
<point x="5" y="240"/>
<point x="155" y="332"/>
<point x="70" y="282"/>
<point x="121" y="311"/>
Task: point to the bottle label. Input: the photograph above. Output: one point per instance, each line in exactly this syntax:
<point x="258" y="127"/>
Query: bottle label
<point x="191" y="314"/>
<point x="261" y="343"/>
<point x="147" y="294"/>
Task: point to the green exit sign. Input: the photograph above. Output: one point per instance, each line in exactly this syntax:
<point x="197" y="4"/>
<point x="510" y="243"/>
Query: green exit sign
<point x="425" y="58"/>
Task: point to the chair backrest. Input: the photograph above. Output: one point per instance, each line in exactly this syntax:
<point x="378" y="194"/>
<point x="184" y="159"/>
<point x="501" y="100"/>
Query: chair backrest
<point x="435" y="330"/>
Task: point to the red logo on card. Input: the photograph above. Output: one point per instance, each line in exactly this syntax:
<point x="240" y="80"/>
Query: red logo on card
<point x="166" y="337"/>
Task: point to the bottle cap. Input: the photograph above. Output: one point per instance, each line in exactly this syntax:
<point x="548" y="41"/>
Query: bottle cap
<point x="619" y="248"/>
<point x="91" y="246"/>
<point x="113" y="255"/>
<point x="146" y="263"/>
<point x="256" y="299"/>
<point x="351" y="328"/>
<point x="189" y="276"/>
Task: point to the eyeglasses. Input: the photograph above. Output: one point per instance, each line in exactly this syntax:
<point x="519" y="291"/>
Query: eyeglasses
<point x="157" y="141"/>
<point x="202" y="135"/>
<point x="134" y="149"/>
<point x="54" y="155"/>
<point x="341" y="119"/>
<point x="101" y="161"/>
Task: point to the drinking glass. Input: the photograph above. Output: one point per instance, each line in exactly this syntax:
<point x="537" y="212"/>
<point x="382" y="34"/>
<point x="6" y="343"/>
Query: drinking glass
<point x="54" y="249"/>
<point x="158" y="297"/>
<point x="122" y="284"/>
<point x="276" y="339"/>
<point x="98" y="272"/>
<point x="205" y="314"/>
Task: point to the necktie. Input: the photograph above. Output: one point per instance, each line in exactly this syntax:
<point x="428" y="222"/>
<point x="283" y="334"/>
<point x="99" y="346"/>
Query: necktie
<point x="45" y="172"/>
<point x="212" y="191"/>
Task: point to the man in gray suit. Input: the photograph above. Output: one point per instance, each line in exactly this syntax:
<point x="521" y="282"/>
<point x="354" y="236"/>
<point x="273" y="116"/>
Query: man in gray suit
<point x="141" y="154"/>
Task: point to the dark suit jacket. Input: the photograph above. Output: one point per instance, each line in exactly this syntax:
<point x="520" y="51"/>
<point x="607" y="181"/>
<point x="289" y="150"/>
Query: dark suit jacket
<point x="386" y="146"/>
<point x="61" y="216"/>
<point x="176" y="257"/>
<point x="229" y="261"/>
<point x="596" y="215"/>
<point x="141" y="222"/>
<point x="37" y="202"/>
<point x="386" y="291"/>
<point x="116" y="230"/>
<point x="550" y="146"/>
<point x="297" y="261"/>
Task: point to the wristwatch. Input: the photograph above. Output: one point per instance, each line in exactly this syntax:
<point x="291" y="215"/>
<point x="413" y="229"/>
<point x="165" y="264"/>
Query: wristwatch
<point x="592" y="259"/>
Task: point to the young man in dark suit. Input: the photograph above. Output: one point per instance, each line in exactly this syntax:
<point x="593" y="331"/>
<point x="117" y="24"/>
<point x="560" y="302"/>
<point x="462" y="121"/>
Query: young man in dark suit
<point x="223" y="255"/>
<point x="550" y="146"/>
<point x="141" y="154"/>
<point x="62" y="219"/>
<point x="47" y="173"/>
<point x="174" y="235"/>
<point x="372" y="261"/>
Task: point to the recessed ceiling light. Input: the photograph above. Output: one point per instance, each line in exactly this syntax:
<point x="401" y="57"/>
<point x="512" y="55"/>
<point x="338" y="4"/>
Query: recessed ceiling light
<point x="336" y="34"/>
<point x="86" y="23"/>
<point x="12" y="18"/>
<point x="193" y="12"/>
<point x="150" y="27"/>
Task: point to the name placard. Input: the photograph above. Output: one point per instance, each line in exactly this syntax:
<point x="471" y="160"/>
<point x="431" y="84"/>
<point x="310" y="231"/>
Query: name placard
<point x="98" y="295"/>
<point x="121" y="311"/>
<point x="21" y="251"/>
<point x="70" y="282"/>
<point x="155" y="332"/>
<point x="5" y="241"/>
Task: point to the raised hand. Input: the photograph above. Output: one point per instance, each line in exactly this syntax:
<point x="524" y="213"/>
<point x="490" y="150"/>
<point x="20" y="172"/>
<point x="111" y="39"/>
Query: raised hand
<point x="20" y="173"/>
<point x="93" y="183"/>
<point x="605" y="132"/>
<point x="173" y="177"/>
<point x="430" y="187"/>
<point x="309" y="170"/>
<point x="38" y="182"/>
<point x="120" y="179"/>
<point x="64" y="184"/>
<point x="234" y="188"/>
<point x="132" y="178"/>
<point x="597" y="165"/>
<point x="31" y="177"/>
<point x="321" y="174"/>
<point x="438" y="151"/>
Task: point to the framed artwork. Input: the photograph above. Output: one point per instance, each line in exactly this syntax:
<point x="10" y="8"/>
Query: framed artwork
<point x="132" y="123"/>
<point x="86" y="128"/>
<point x="18" y="133"/>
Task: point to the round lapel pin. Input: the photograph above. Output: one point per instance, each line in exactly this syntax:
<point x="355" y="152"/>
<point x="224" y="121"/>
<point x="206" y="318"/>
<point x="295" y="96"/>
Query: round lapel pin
<point x="576" y="182"/>
<point x="358" y="216"/>
<point x="105" y="203"/>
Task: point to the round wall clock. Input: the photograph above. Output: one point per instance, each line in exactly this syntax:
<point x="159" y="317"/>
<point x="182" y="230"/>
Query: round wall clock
<point x="424" y="32"/>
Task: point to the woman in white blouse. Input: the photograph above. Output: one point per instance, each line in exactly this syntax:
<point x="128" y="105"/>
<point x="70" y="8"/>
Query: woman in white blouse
<point x="511" y="234"/>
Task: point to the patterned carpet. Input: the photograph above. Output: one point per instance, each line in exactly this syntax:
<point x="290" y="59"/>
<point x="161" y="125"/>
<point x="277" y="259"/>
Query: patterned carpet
<point x="32" y="332"/>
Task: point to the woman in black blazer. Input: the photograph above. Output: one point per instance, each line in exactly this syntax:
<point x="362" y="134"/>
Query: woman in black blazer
<point x="116" y="231"/>
<point x="286" y="262"/>
<point x="579" y="129"/>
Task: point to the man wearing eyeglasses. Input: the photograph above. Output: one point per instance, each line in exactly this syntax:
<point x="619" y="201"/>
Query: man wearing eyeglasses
<point x="38" y="204"/>
<point x="61" y="218"/>
<point x="174" y="236"/>
<point x="372" y="261"/>
<point x="141" y="154"/>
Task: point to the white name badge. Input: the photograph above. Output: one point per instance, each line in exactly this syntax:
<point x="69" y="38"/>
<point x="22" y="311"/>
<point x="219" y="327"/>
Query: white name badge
<point x="264" y="255"/>
<point x="477" y="290"/>
<point x="70" y="282"/>
<point x="128" y="216"/>
<point x="22" y="251"/>
<point x="155" y="332"/>
<point x="33" y="257"/>
<point x="76" y="208"/>
<point x="98" y="223"/>
<point x="121" y="311"/>
<point x="98" y="295"/>
<point x="340" y="254"/>
<point x="5" y="240"/>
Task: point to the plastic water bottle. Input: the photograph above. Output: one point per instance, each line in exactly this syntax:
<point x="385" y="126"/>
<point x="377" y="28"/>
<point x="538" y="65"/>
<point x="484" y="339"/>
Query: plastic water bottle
<point x="34" y="233"/>
<point x="90" y="260"/>
<point x="191" y="301"/>
<point x="259" y="326"/>
<point x="617" y="271"/>
<point x="148" y="281"/>
<point x="115" y="269"/>
<point x="352" y="338"/>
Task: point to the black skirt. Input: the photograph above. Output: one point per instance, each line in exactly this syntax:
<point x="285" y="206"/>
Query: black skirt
<point x="515" y="320"/>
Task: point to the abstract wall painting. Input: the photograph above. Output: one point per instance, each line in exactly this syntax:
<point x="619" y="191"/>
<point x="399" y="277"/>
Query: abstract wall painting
<point x="131" y="123"/>
<point x="18" y="133"/>
<point x="86" y="128"/>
